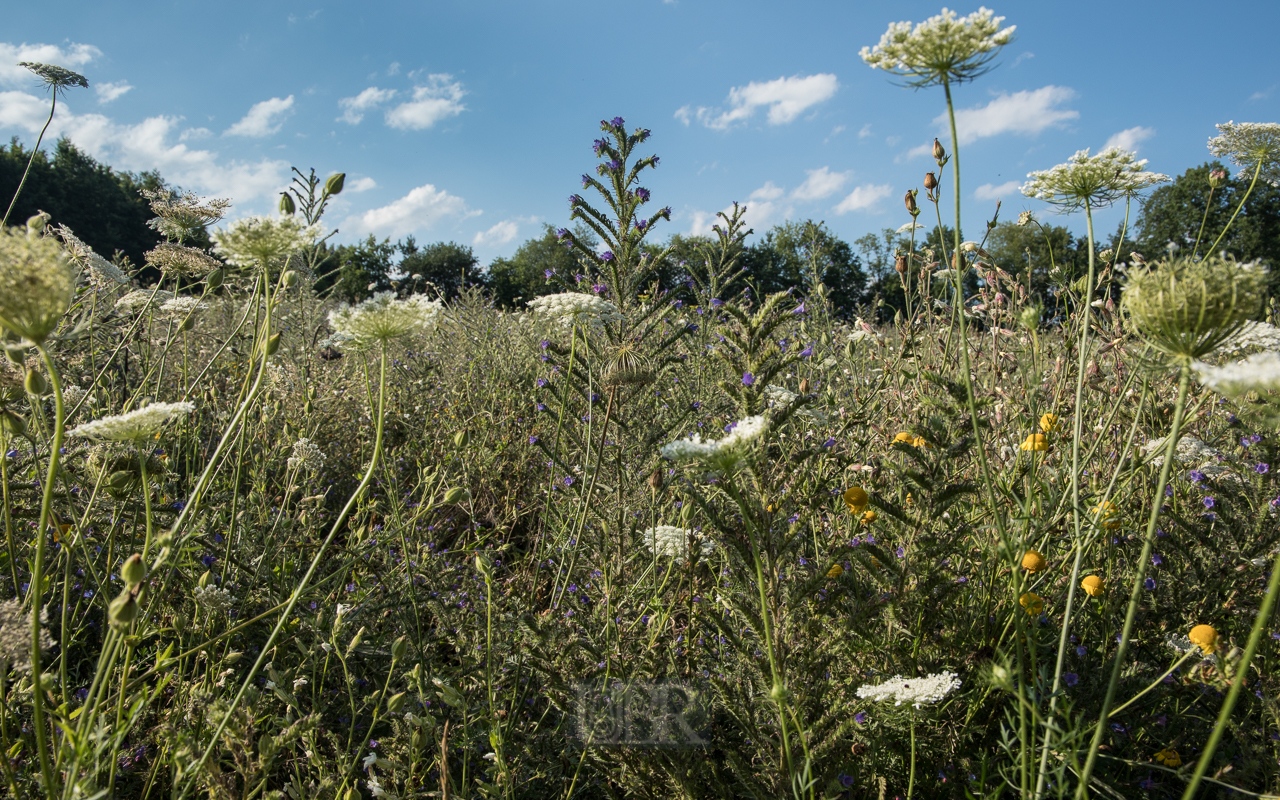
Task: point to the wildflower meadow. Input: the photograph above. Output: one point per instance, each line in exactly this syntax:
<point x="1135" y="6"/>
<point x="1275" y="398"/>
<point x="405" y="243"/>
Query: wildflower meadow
<point x="629" y="540"/>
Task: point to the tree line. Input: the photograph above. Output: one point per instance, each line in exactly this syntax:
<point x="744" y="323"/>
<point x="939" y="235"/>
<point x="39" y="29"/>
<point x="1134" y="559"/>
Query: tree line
<point x="104" y="208"/>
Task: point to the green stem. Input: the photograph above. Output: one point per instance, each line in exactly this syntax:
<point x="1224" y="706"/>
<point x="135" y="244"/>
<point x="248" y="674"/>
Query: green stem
<point x="1208" y="203"/>
<point x="1184" y="381"/>
<point x="1257" y="170"/>
<point x="52" y="107"/>
<point x="911" y="781"/>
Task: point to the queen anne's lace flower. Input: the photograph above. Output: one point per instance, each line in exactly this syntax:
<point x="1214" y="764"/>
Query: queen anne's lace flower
<point x="182" y="306"/>
<point x="1250" y="145"/>
<point x="571" y="307"/>
<point x="103" y="275"/>
<point x="673" y="542"/>
<point x="1257" y="373"/>
<point x="180" y="214"/>
<point x="1253" y="334"/>
<point x="780" y="397"/>
<point x="255" y="241"/>
<point x="1100" y="179"/>
<point x="722" y="454"/>
<point x="942" y="48"/>
<point x="15" y="634"/>
<point x="306" y="455"/>
<point x="382" y="318"/>
<point x="916" y="691"/>
<point x="139" y="299"/>
<point x="1190" y="451"/>
<point x="212" y="598"/>
<point x="178" y="259"/>
<point x="36" y="284"/>
<point x="133" y="425"/>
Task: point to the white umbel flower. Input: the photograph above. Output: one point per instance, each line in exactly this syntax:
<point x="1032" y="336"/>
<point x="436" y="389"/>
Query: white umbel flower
<point x="102" y="274"/>
<point x="942" y="48"/>
<point x="673" y="542"/>
<point x="1248" y="145"/>
<point x="1253" y="334"/>
<point x="570" y="307"/>
<point x="306" y="455"/>
<point x="722" y="454"/>
<point x="142" y="298"/>
<point x="780" y="397"/>
<point x="916" y="691"/>
<point x="1100" y="179"/>
<point x="1190" y="450"/>
<point x="382" y="317"/>
<point x="255" y="241"/>
<point x="1258" y="373"/>
<point x="213" y="599"/>
<point x="182" y="306"/>
<point x="134" y="425"/>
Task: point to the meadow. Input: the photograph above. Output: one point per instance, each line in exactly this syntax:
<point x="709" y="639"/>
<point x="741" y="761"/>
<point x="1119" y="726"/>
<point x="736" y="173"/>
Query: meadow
<point x="636" y="542"/>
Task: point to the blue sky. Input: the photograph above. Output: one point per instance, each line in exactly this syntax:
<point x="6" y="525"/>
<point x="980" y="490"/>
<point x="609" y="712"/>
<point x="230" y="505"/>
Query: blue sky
<point x="471" y="121"/>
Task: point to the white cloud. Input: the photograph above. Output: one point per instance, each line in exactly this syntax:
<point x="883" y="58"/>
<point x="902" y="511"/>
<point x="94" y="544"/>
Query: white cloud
<point x="354" y="108"/>
<point x="990" y="191"/>
<point x="760" y="211"/>
<point x="683" y="114"/>
<point x="1026" y="113"/>
<point x="1128" y="138"/>
<point x="148" y="145"/>
<point x="501" y="233"/>
<point x="863" y="198"/>
<point x="820" y="183"/>
<point x="786" y="99"/>
<point x="194" y="133"/>
<point x="865" y="131"/>
<point x="439" y="99"/>
<point x="73" y="56"/>
<point x="394" y="69"/>
<point x="110" y="91"/>
<point x="361" y="185"/>
<point x="419" y="210"/>
<point x="263" y="119"/>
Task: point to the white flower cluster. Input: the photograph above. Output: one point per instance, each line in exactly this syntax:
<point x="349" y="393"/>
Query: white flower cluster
<point x="139" y="299"/>
<point x="723" y="453"/>
<point x="673" y="542"/>
<point x="1258" y="373"/>
<point x="571" y="307"/>
<point x="1190" y="451"/>
<point x="15" y="634"/>
<point x="1253" y="334"/>
<point x="940" y="47"/>
<point x="1249" y="144"/>
<point x="103" y="275"/>
<point x="212" y="598"/>
<point x="916" y="691"/>
<point x="133" y="425"/>
<point x="1100" y="179"/>
<point x="782" y="397"/>
<point x="254" y="241"/>
<point x="182" y="306"/>
<point x="306" y="455"/>
<point x="383" y="317"/>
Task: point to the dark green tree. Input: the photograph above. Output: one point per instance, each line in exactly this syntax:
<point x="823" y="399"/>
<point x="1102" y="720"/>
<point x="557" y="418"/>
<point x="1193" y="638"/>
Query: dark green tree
<point x="354" y="272"/>
<point x="515" y="281"/>
<point x="799" y="255"/>
<point x="448" y="266"/>
<point x="1017" y="249"/>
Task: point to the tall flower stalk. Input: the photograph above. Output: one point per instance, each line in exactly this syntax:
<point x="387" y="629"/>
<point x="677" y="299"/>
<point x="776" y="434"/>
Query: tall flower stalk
<point x="57" y="79"/>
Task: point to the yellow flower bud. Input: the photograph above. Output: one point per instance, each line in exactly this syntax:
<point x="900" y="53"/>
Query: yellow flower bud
<point x="1205" y="636"/>
<point x="1033" y="561"/>
<point x="1093" y="585"/>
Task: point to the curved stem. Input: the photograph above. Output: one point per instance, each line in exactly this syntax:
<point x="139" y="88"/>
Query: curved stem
<point x="1257" y="170"/>
<point x="1208" y="203"/>
<point x="52" y="107"/>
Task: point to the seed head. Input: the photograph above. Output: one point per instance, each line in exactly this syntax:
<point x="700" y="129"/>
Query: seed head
<point x="36" y="284"/>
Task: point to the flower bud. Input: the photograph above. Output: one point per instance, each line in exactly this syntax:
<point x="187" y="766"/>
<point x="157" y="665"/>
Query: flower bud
<point x="188" y="324"/>
<point x="910" y="201"/>
<point x="286" y="204"/>
<point x="805" y="386"/>
<point x="35" y="383"/>
<point x="456" y="495"/>
<point x="395" y="702"/>
<point x="939" y="154"/>
<point x="233" y="657"/>
<point x="273" y="343"/>
<point x="120" y="479"/>
<point x="419" y="740"/>
<point x="205" y="579"/>
<point x="133" y="571"/>
<point x="400" y="647"/>
<point x="930" y="182"/>
<point x="461" y="438"/>
<point x="13" y="424"/>
<point x="355" y="640"/>
<point x="35" y="225"/>
<point x="333" y="186"/>
<point x="214" y="279"/>
<point x="655" y="479"/>
<point x="16" y="355"/>
<point x="290" y="279"/>
<point x="48" y="682"/>
<point x="1216" y="177"/>
<point x="123" y="610"/>
<point x="900" y="263"/>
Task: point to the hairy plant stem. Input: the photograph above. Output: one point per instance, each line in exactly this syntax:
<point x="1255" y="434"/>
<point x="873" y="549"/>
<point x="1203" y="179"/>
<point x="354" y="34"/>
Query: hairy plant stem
<point x="1157" y="503"/>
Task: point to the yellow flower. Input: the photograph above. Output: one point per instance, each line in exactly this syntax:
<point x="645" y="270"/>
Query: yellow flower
<point x="1106" y="512"/>
<point x="836" y="571"/>
<point x="1032" y="602"/>
<point x="1049" y="423"/>
<point x="1169" y="757"/>
<point x="1033" y="561"/>
<point x="1093" y="585"/>
<point x="1205" y="636"/>
<point x="905" y="438"/>
<point x="855" y="497"/>
<point x="1036" y="441"/>
<point x="869" y="517"/>
<point x="921" y="443"/>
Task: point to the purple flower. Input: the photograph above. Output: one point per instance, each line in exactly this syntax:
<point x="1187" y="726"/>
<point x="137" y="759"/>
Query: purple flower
<point x="1209" y="502"/>
<point x="599" y="288"/>
<point x="808" y="351"/>
<point x="533" y="440"/>
<point x="1149" y="584"/>
<point x="1081" y="650"/>
<point x="846" y="780"/>
<point x="1262" y="469"/>
<point x="617" y="122"/>
<point x="901" y="552"/>
<point x="568" y="481"/>
<point x="643" y="133"/>
<point x="545" y="344"/>
<point x="829" y="443"/>
<point x="643" y="194"/>
<point x="586" y="180"/>
<point x="653" y="161"/>
<point x="541" y="382"/>
<point x="598" y="145"/>
<point x="642" y="224"/>
<point x="748" y="379"/>
<point x="1070" y="678"/>
<point x="1157" y="560"/>
<point x="1195" y="476"/>
<point x="607" y="255"/>
<point x="716" y="302"/>
<point x="548" y="274"/>
<point x="666" y="212"/>
<point x="574" y="199"/>
<point x="860" y="718"/>
<point x="614" y="164"/>
<point x="799" y="309"/>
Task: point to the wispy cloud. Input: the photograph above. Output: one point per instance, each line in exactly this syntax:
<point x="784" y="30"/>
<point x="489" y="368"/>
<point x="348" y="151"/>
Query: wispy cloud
<point x="362" y="185"/>
<point x="500" y="233"/>
<point x="354" y="108"/>
<point x="263" y="119"/>
<point x="785" y="99"/>
<point x="421" y="209"/>
<point x="762" y="209"/>
<point x="110" y="91"/>
<point x="820" y="183"/>
<point x="1264" y="94"/>
<point x="991" y="191"/>
<point x="864" y="198"/>
<point x="1026" y="113"/>
<point x="1129" y="138"/>
<point x="439" y="99"/>
<point x="72" y="56"/>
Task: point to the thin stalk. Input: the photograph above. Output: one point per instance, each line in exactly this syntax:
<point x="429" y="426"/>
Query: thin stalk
<point x="1257" y="170"/>
<point x="1208" y="203"/>
<point x="52" y="107"/>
